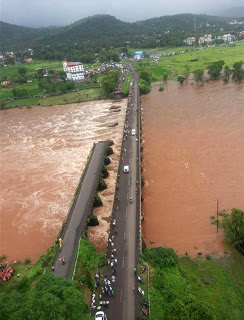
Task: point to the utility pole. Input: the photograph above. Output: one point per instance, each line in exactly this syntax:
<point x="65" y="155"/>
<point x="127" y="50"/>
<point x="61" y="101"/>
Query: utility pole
<point x="217" y="215"/>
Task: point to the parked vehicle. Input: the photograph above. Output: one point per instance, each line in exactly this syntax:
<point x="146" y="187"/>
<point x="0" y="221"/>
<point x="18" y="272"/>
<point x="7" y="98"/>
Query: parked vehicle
<point x="100" y="315"/>
<point x="133" y="132"/>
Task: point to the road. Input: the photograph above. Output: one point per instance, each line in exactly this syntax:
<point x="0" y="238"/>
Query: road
<point x="123" y="304"/>
<point x="80" y="211"/>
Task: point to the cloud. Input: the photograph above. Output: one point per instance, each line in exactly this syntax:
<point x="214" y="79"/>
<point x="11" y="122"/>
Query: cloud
<point x="38" y="13"/>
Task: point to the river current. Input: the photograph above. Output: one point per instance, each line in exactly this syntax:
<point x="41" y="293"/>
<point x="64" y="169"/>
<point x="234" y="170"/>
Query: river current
<point x="193" y="140"/>
<point x="43" y="153"/>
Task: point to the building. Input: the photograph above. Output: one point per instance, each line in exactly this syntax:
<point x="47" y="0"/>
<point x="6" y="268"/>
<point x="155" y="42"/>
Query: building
<point x="28" y="60"/>
<point x="189" y="41"/>
<point x="207" y="38"/>
<point x="227" y="37"/>
<point x="74" y="70"/>
<point x="137" y="55"/>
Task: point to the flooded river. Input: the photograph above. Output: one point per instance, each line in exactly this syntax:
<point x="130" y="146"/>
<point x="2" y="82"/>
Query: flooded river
<point x="43" y="152"/>
<point x="193" y="153"/>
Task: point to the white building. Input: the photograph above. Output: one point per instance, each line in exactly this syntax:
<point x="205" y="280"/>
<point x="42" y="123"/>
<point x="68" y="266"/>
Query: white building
<point x="228" y="37"/>
<point x="74" y="70"/>
<point x="205" y="39"/>
<point x="189" y="41"/>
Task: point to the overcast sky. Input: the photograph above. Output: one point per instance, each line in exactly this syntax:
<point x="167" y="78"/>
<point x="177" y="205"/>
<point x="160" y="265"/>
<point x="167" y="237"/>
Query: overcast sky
<point x="38" y="13"/>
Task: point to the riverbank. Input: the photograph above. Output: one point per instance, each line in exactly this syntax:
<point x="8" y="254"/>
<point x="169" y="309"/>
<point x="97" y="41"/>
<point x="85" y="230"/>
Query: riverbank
<point x="203" y="288"/>
<point x="189" y="61"/>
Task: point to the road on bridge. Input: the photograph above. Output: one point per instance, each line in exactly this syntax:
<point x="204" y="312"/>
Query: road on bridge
<point x="124" y="303"/>
<point x="78" y="215"/>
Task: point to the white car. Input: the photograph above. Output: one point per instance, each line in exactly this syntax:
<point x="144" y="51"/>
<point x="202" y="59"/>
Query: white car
<point x="100" y="315"/>
<point x="133" y="132"/>
<point x="126" y="169"/>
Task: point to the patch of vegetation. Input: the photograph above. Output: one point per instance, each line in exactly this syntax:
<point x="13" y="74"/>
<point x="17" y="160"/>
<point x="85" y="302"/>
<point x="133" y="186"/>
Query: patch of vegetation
<point x="183" y="288"/>
<point x="51" y="298"/>
<point x="107" y="161"/>
<point x="102" y="184"/>
<point x="174" y="65"/>
<point x="105" y="172"/>
<point x="92" y="220"/>
<point x="88" y="256"/>
<point x="181" y="79"/>
<point x="109" y="151"/>
<point x="126" y="85"/>
<point x="97" y="201"/>
<point x="161" y="89"/>
<point x="109" y="83"/>
<point x="27" y="261"/>
<point x="233" y="225"/>
<point x="160" y="257"/>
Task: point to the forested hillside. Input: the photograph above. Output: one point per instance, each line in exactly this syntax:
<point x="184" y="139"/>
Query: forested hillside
<point x="106" y="31"/>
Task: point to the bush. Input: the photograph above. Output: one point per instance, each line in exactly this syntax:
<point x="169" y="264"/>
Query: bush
<point x="161" y="89"/>
<point x="106" y="160"/>
<point x="145" y="87"/>
<point x="88" y="256"/>
<point x="161" y="257"/>
<point x="89" y="280"/>
<point x="102" y="184"/>
<point x="109" y="151"/>
<point x="97" y="201"/>
<point x="2" y="105"/>
<point x="104" y="172"/>
<point x="92" y="220"/>
<point x="27" y="261"/>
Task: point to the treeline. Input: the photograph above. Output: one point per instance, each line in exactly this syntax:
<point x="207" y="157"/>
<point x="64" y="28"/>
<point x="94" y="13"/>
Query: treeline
<point x="215" y="70"/>
<point x="87" y="53"/>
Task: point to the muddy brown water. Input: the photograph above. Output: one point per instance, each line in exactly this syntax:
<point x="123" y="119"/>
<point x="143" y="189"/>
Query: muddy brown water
<point x="43" y="153"/>
<point x="193" y="139"/>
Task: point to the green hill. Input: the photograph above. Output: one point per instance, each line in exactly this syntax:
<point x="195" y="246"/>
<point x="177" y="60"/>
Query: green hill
<point x="106" y="31"/>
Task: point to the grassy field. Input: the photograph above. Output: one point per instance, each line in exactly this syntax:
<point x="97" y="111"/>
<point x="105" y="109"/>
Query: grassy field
<point x="177" y="64"/>
<point x="12" y="70"/>
<point x="213" y="287"/>
<point x="66" y="98"/>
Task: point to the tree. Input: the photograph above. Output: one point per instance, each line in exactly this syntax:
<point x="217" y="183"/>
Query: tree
<point x="187" y="72"/>
<point x="51" y="298"/>
<point x="145" y="75"/>
<point x="144" y="87"/>
<point x="198" y="75"/>
<point x="19" y="92"/>
<point x="22" y="70"/>
<point x="10" y="60"/>
<point x="215" y="68"/>
<point x="227" y="72"/>
<point x="181" y="79"/>
<point x="233" y="225"/>
<point x="238" y="72"/>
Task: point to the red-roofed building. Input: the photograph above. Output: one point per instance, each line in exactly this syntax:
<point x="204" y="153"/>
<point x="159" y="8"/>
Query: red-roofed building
<point x="74" y="70"/>
<point x="28" y="60"/>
